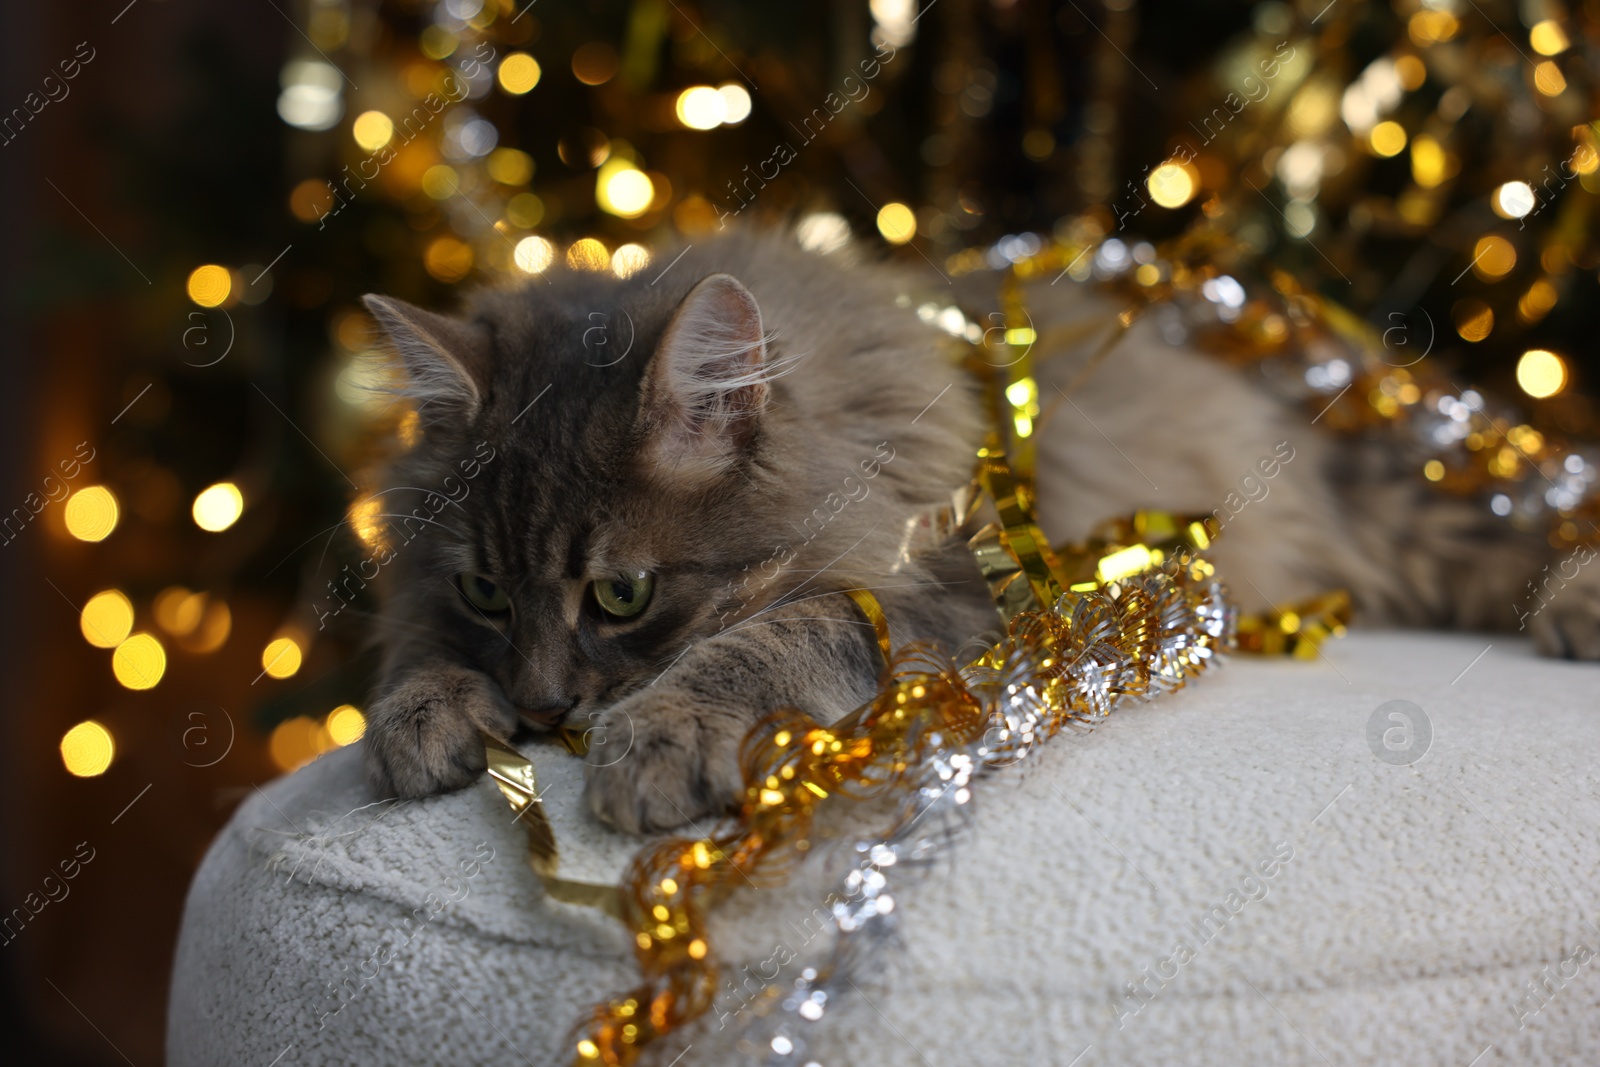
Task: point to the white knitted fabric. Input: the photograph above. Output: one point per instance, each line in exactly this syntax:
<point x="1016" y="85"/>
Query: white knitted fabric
<point x="1438" y="913"/>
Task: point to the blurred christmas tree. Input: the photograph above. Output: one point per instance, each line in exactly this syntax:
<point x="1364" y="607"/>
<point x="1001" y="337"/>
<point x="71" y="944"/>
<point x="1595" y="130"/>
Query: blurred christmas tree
<point x="1416" y="161"/>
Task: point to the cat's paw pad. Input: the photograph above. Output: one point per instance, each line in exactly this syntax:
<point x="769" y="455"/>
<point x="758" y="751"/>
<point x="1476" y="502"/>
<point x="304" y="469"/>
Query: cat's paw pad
<point x="422" y="738"/>
<point x="1566" y="622"/>
<point x="666" y="762"/>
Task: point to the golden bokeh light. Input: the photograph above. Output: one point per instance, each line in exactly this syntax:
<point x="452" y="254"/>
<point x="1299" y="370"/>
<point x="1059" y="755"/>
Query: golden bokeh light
<point x="216" y="623"/>
<point x="346" y="724"/>
<point x="1493" y="257"/>
<point x="87" y="749"/>
<point x="897" y="223"/>
<point x="1411" y="71"/>
<point x="178" y="611"/>
<point x="1430" y="163"/>
<point x="409" y="428"/>
<point x="91" y="513"/>
<point x="1473" y="318"/>
<point x="106" y="619"/>
<point x="209" y="285"/>
<point x="294" y="742"/>
<point x="622" y="189"/>
<point x="525" y="211"/>
<point x="701" y="107"/>
<point x="595" y="63"/>
<point x="1172" y="184"/>
<point x="519" y="73"/>
<point x="139" y="662"/>
<point x="588" y="254"/>
<point x="1429" y="27"/>
<point x="509" y="166"/>
<point x="372" y="130"/>
<point x="437" y="42"/>
<point x="736" y="103"/>
<point x="533" y="255"/>
<point x="1548" y="79"/>
<point x="1537" y="302"/>
<point x="310" y="200"/>
<point x="282" y="657"/>
<point x="1548" y="38"/>
<point x="440" y="181"/>
<point x="448" y="259"/>
<point x="1388" y="138"/>
<point x="629" y="260"/>
<point x="1433" y="470"/>
<point x="366" y="519"/>
<point x="1513" y="200"/>
<point x="1541" y="373"/>
<point x="218" y="507"/>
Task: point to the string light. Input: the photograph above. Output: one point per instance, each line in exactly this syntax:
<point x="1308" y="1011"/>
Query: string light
<point x="372" y="130"/>
<point x="87" y="749"/>
<point x="533" y="255"/>
<point x="629" y="260"/>
<point x="1541" y="373"/>
<point x="519" y="73"/>
<point x="107" y="619"/>
<point x="281" y="658"/>
<point x="588" y="254"/>
<point x="295" y="742"/>
<point x="897" y="223"/>
<point x="209" y="285"/>
<point x="91" y="513"/>
<point x="218" y="507"/>
<point x="346" y="724"/>
<point x="736" y="103"/>
<point x="139" y="662"/>
<point x="701" y="107"/>
<point x="1388" y="138"/>
<point x="622" y="189"/>
<point x="1172" y="185"/>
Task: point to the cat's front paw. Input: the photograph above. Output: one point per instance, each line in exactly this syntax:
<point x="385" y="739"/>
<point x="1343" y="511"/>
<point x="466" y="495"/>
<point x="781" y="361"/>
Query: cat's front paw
<point x="667" y="760"/>
<point x="422" y="737"/>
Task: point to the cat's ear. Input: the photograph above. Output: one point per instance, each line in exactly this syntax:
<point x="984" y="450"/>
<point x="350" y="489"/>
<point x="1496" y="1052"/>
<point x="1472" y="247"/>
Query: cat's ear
<point x="707" y="383"/>
<point x="446" y="360"/>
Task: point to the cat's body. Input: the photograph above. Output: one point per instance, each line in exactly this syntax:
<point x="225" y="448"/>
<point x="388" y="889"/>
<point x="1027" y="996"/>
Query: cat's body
<point x="690" y="466"/>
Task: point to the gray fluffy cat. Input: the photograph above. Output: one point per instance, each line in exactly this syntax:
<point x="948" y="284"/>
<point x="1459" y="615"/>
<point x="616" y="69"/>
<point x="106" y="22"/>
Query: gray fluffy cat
<point x="676" y="475"/>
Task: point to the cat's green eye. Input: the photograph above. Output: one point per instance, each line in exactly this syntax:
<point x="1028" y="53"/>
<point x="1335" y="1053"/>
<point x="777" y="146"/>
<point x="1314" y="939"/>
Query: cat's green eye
<point x="625" y="595"/>
<point x="482" y="593"/>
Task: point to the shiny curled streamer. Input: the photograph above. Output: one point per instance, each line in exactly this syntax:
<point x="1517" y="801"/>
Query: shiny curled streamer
<point x="1069" y="657"/>
<point x="514" y="775"/>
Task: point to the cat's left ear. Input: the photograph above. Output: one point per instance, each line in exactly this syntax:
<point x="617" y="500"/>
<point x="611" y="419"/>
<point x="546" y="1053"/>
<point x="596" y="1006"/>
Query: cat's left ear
<point x="446" y="359"/>
<point x="707" y="387"/>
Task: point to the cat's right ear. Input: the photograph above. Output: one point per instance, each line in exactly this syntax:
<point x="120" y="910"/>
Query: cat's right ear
<point x="707" y="384"/>
<point x="446" y="360"/>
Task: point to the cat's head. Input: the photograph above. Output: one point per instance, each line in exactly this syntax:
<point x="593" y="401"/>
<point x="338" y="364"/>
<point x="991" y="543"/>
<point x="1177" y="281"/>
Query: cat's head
<point x="609" y="489"/>
<point x="611" y="470"/>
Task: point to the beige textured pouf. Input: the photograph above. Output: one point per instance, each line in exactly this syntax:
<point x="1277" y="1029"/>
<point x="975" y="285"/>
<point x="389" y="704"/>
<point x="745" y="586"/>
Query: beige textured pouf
<point x="1258" y="869"/>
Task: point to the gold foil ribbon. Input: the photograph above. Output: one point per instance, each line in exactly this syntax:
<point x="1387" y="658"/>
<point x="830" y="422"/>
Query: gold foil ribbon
<point x="1296" y="629"/>
<point x="880" y="622"/>
<point x="513" y="773"/>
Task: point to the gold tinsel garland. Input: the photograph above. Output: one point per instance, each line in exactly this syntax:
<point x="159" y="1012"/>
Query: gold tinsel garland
<point x="1148" y="632"/>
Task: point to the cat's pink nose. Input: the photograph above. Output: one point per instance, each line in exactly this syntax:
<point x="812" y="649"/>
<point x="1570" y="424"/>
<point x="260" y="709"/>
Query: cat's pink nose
<point x="550" y="714"/>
